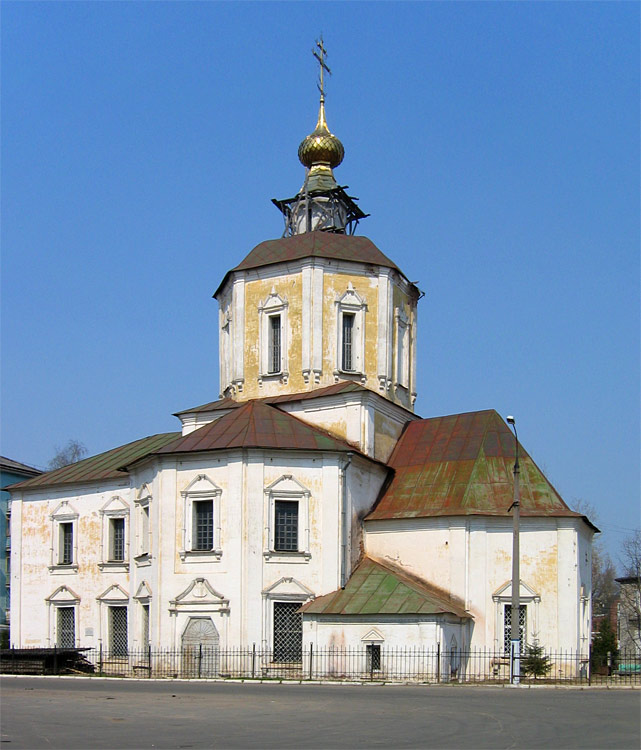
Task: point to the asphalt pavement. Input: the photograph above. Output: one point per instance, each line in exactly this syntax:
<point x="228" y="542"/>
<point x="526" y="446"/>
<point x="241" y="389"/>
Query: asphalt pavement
<point x="101" y="713"/>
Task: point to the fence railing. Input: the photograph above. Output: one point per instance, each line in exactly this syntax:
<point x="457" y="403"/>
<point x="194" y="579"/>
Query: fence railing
<point x="371" y="663"/>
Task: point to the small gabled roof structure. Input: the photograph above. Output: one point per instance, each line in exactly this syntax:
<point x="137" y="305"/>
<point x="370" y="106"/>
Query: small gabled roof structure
<point x="462" y="465"/>
<point x="376" y="588"/>
<point x="103" y="466"/>
<point x="256" y="424"/>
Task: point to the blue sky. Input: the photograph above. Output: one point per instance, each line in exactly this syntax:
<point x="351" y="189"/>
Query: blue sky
<point x="495" y="146"/>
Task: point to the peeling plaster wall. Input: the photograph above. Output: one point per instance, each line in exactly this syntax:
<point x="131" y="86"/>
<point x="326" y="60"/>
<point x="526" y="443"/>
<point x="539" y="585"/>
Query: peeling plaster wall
<point x="357" y="631"/>
<point x="472" y="558"/>
<point x="35" y="577"/>
<point x="311" y="290"/>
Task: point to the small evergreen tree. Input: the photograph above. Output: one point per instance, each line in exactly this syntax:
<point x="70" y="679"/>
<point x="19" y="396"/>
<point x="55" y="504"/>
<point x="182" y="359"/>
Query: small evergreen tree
<point x="535" y="662"/>
<point x="604" y="641"/>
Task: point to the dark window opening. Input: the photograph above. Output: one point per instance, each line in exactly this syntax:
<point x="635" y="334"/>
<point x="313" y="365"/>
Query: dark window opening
<point x="507" y="632"/>
<point x="66" y="627"/>
<point x="347" y="358"/>
<point x="286" y="526"/>
<point x="373" y="657"/>
<point x="274" y="364"/>
<point x="288" y="631"/>
<point x="66" y="543"/>
<point x="203" y="525"/>
<point x="117" y="543"/>
<point x="118" y="630"/>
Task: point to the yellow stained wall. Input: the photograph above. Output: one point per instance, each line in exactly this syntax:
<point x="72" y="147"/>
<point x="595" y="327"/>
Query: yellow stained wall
<point x="290" y="288"/>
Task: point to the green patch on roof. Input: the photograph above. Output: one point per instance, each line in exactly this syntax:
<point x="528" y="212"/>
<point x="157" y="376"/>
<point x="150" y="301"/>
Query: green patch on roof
<point x="462" y="465"/>
<point x="376" y="588"/>
<point x="108" y="465"/>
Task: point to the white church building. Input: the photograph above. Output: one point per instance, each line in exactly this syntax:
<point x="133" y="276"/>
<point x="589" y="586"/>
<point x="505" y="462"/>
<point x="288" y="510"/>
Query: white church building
<point x="309" y="504"/>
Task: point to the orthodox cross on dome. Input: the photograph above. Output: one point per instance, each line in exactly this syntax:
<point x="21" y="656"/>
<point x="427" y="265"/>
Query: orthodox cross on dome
<point x="319" y="53"/>
<point x="321" y="204"/>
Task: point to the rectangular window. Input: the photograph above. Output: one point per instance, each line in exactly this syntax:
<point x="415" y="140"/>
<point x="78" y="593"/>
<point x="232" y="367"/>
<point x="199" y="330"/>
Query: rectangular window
<point x="347" y="357"/>
<point x="288" y="631"/>
<point x="203" y="512"/>
<point x="144" y="531"/>
<point x="116" y="539"/>
<point x="286" y="526"/>
<point x="274" y="344"/>
<point x="118" y="631"/>
<point x="66" y="627"/>
<point x="373" y="657"/>
<point x="145" y="624"/>
<point x="507" y="632"/>
<point x="65" y="556"/>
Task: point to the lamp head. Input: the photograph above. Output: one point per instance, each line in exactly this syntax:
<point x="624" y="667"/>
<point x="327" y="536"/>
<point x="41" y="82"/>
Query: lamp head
<point x="510" y="420"/>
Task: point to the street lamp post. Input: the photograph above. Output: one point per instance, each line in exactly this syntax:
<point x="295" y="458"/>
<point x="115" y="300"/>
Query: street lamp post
<point x="515" y="634"/>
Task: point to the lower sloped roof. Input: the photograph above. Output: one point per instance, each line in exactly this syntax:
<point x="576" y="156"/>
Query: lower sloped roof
<point x="462" y="465"/>
<point x="103" y="466"/>
<point x="221" y="404"/>
<point x="256" y="424"/>
<point x="376" y="588"/>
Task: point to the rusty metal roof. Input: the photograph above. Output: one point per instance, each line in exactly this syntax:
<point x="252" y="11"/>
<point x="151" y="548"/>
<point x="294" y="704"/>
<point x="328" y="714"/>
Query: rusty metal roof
<point x="313" y="245"/>
<point x="256" y="424"/>
<point x="375" y="588"/>
<point x="222" y="404"/>
<point x="103" y="466"/>
<point x="462" y="465"/>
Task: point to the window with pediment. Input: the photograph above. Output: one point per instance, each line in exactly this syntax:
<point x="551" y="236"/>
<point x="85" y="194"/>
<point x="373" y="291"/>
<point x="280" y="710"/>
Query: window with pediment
<point x="350" y="332"/>
<point x="287" y="513"/>
<point x="272" y="314"/>
<point x="64" y="539"/>
<point x="63" y="617"/>
<point x="115" y="535"/>
<point x="201" y="526"/>
<point x="142" y="504"/>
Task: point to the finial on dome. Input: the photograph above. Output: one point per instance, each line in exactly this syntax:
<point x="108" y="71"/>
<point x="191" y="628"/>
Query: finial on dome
<point x="321" y="204"/>
<point x="321" y="148"/>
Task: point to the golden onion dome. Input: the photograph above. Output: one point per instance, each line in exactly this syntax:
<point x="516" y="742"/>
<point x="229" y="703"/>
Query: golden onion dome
<point x="321" y="147"/>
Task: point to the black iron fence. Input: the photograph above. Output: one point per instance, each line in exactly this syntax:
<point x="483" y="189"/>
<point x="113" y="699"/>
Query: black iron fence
<point x="371" y="663"/>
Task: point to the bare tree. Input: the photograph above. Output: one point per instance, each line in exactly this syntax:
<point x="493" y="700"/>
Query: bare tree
<point x="73" y="451"/>
<point x="630" y="597"/>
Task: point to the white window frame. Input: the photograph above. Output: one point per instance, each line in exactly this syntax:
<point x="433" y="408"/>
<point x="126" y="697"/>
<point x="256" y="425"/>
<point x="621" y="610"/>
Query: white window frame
<point x="286" y="589"/>
<point x="273" y="306"/>
<point x="142" y="513"/>
<point x="403" y="348"/>
<point x="64" y="513"/>
<point x="143" y="597"/>
<point x="351" y="303"/>
<point x="199" y="489"/>
<point x="115" y="508"/>
<point x="290" y="489"/>
<point x="62" y="597"/>
<point x="528" y="598"/>
<point x="114" y="596"/>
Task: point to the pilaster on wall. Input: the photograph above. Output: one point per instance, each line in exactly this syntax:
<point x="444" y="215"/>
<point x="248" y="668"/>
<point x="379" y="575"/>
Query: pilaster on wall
<point x="317" y="322"/>
<point x="238" y="334"/>
<point x="306" y="332"/>
<point x="384" y="352"/>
